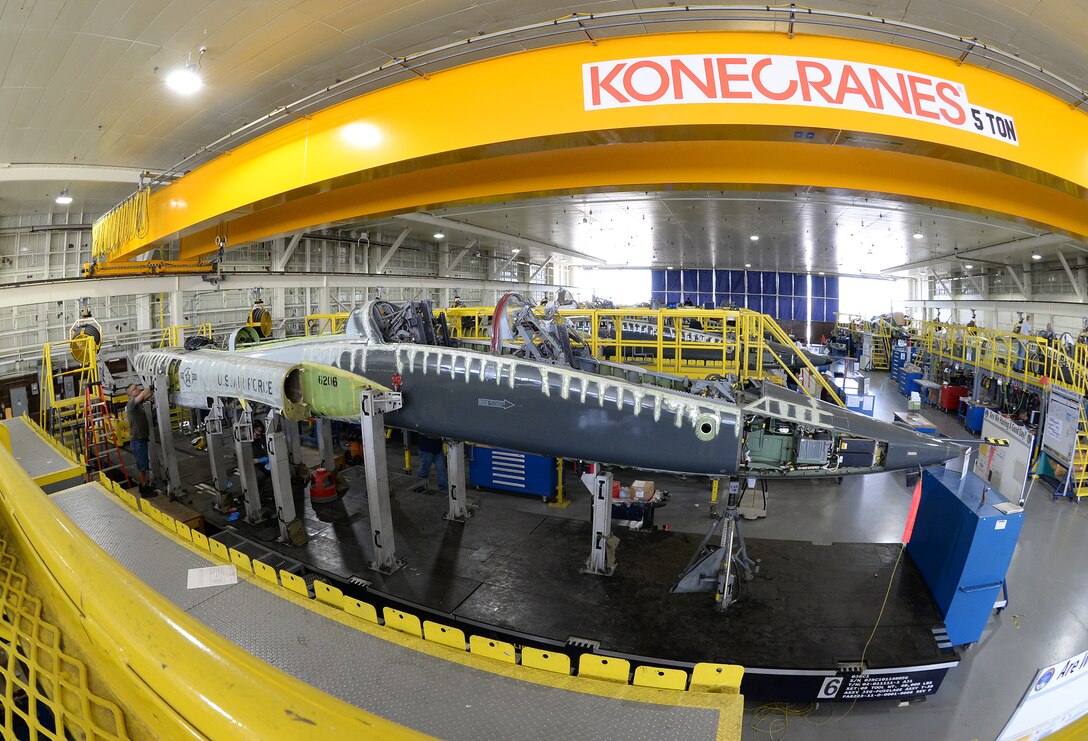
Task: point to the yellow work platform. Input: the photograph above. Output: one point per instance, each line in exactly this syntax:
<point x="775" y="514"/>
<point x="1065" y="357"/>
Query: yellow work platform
<point x="51" y="466"/>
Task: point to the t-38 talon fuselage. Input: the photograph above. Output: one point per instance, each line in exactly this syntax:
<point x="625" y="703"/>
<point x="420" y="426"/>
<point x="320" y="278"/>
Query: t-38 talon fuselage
<point x="615" y="414"/>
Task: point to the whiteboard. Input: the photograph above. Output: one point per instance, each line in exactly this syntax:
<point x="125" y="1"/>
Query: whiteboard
<point x="1057" y="697"/>
<point x="1007" y="471"/>
<point x="1060" y="424"/>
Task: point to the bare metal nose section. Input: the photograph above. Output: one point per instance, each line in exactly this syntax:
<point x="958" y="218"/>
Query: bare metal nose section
<point x="908" y="448"/>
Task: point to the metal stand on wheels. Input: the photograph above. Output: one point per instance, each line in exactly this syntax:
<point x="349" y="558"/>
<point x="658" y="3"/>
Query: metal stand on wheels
<point x="715" y="568"/>
<point x="217" y="460"/>
<point x="602" y="553"/>
<point x="279" y="469"/>
<point x="164" y="459"/>
<point x="459" y="510"/>
<point x="374" y="405"/>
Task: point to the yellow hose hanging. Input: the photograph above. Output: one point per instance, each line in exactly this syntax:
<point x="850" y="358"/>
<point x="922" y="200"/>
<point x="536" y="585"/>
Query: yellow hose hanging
<point x="124" y="222"/>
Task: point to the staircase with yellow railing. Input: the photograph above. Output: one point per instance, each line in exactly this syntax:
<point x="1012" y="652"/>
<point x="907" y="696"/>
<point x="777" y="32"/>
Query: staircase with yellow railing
<point x="679" y="345"/>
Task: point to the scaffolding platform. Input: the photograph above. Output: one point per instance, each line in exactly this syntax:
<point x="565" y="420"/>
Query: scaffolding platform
<point x="430" y="688"/>
<point x="52" y="467"/>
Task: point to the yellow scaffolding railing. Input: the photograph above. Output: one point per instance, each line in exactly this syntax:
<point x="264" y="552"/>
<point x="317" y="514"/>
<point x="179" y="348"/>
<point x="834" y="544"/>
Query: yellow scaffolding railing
<point x="316" y="324"/>
<point x="1030" y="360"/>
<point x="689" y="342"/>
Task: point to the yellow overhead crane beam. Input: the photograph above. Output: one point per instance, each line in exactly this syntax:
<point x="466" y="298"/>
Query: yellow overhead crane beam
<point x="537" y="131"/>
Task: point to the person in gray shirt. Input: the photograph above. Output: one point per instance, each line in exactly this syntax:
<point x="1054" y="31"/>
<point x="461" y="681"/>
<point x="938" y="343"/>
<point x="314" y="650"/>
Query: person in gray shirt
<point x="140" y="431"/>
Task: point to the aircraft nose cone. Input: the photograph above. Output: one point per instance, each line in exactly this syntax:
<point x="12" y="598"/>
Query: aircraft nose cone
<point x="920" y="450"/>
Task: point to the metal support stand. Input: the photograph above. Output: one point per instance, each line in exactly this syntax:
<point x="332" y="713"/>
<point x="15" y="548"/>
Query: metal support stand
<point x="459" y="510"/>
<point x="406" y="438"/>
<point x="217" y="454"/>
<point x="323" y="432"/>
<point x="561" y="502"/>
<point x="601" y="561"/>
<point x="294" y="441"/>
<point x="243" y="452"/>
<point x="374" y="405"/>
<point x="715" y="568"/>
<point x="279" y="465"/>
<point x="164" y="453"/>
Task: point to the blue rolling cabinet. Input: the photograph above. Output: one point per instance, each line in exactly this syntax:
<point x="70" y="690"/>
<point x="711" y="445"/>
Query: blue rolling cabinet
<point x="963" y="544"/>
<point x="908" y="380"/>
<point x="508" y="470"/>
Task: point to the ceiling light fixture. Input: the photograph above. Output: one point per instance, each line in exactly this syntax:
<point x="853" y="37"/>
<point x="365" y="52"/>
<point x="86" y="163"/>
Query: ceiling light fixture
<point x="747" y="264"/>
<point x="918" y="235"/>
<point x="1036" y="256"/>
<point x="968" y="266"/>
<point x="186" y="80"/>
<point x="754" y="237"/>
<point x="439" y="235"/>
<point x="64" y="198"/>
<point x="515" y="250"/>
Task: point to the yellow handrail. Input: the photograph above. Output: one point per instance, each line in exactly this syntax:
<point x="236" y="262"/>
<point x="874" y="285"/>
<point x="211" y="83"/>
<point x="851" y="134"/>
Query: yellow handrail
<point x="736" y="340"/>
<point x="174" y="675"/>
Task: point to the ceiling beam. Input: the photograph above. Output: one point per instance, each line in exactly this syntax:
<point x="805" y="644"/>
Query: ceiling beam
<point x="1016" y="245"/>
<point x="461" y="255"/>
<point x="543" y="265"/>
<point x="1072" y="276"/>
<point x="393" y="249"/>
<point x="280" y="262"/>
<point x="1016" y="279"/>
<point x="69" y="173"/>
<point x="40" y="292"/>
<point x="483" y="231"/>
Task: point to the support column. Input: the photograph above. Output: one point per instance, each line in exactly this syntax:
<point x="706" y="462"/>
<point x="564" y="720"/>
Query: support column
<point x="323" y="432"/>
<point x="280" y="471"/>
<point x="243" y="451"/>
<point x="177" y="313"/>
<point x="600" y="487"/>
<point x="217" y="454"/>
<point x="143" y="312"/>
<point x="443" y="271"/>
<point x="374" y="405"/>
<point x="294" y="442"/>
<point x="459" y="510"/>
<point x="165" y="453"/>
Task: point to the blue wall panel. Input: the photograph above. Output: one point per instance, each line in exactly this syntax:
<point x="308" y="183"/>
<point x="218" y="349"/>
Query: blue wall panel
<point x="770" y="283"/>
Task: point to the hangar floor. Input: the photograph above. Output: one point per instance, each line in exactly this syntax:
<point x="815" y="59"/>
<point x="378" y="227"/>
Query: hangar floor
<point x="495" y="578"/>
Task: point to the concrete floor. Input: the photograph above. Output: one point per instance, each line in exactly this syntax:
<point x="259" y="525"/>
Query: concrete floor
<point x="1045" y="621"/>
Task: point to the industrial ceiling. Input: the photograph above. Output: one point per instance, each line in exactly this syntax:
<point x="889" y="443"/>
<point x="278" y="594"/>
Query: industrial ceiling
<point x="81" y="85"/>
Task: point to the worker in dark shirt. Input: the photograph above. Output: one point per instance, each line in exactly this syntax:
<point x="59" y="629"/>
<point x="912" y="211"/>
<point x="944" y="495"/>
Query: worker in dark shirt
<point x="430" y="452"/>
<point x="139" y="433"/>
<point x="260" y="456"/>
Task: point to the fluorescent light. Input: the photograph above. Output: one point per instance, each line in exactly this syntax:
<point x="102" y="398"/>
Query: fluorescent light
<point x="362" y="135"/>
<point x="918" y="235"/>
<point x="754" y="237"/>
<point x="184" y="80"/>
<point x="64" y="198"/>
<point x="439" y="235"/>
<point x="1036" y="256"/>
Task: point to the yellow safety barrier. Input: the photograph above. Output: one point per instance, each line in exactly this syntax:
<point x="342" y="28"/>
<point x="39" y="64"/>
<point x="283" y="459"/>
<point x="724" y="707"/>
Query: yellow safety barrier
<point x="604" y="667"/>
<point x="155" y="662"/>
<point x="493" y="649"/>
<point x="444" y="634"/>
<point x="547" y="660"/>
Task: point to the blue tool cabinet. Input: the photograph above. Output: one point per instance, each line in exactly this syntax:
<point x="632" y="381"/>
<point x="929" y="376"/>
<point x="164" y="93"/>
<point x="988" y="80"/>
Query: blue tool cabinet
<point x="962" y="545"/>
<point x="508" y="470"/>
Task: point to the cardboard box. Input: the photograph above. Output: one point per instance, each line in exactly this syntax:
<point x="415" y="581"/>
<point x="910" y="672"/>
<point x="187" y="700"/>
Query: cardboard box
<point x="643" y="489"/>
